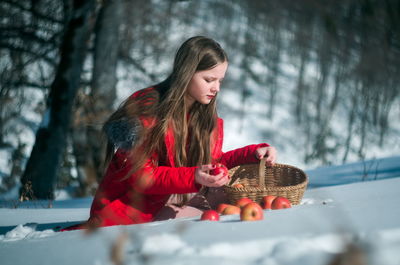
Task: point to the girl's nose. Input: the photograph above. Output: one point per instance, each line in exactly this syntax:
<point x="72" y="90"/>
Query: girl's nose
<point x="215" y="88"/>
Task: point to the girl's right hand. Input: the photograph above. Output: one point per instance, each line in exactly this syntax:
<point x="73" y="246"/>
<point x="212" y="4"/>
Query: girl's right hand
<point x="202" y="177"/>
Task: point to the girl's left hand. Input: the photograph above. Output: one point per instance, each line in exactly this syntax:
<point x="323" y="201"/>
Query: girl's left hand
<point x="268" y="152"/>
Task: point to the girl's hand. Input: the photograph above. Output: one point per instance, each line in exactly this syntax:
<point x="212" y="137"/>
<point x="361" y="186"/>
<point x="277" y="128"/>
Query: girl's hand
<point x="268" y="152"/>
<point x="202" y="177"/>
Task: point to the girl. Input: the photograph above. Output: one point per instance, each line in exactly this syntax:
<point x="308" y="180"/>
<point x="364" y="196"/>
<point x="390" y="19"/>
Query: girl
<point x="163" y="141"/>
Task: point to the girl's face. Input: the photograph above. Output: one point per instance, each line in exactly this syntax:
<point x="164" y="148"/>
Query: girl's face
<point x="205" y="85"/>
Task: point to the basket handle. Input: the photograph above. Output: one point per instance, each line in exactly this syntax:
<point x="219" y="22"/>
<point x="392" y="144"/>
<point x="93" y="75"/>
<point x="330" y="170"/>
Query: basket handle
<point x="261" y="172"/>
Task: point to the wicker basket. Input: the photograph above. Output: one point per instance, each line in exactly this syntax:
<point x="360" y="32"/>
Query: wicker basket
<point x="260" y="180"/>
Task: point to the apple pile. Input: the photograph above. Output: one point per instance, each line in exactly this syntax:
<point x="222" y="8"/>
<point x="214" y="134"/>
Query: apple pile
<point x="247" y="208"/>
<point x="272" y="202"/>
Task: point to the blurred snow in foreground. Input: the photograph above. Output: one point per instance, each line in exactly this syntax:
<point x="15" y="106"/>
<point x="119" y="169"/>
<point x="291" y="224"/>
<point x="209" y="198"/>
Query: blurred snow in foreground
<point x="342" y="215"/>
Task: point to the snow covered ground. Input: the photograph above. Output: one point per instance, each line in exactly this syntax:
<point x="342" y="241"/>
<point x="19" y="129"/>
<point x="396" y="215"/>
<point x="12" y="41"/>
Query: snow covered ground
<point x="349" y="211"/>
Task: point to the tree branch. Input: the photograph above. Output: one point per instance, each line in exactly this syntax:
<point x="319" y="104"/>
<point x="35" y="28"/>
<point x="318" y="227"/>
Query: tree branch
<point x="37" y="55"/>
<point x="20" y="32"/>
<point x="131" y="61"/>
<point x="18" y="5"/>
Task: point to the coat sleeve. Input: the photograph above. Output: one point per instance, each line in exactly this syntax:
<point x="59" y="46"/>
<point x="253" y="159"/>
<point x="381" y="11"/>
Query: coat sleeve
<point x="240" y="156"/>
<point x="153" y="179"/>
<point x="165" y="180"/>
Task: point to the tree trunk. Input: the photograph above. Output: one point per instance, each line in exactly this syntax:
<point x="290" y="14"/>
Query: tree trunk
<point x="88" y="148"/>
<point x="301" y="90"/>
<point x="104" y="78"/>
<point x="352" y="117"/>
<point x="274" y="72"/>
<point x="39" y="178"/>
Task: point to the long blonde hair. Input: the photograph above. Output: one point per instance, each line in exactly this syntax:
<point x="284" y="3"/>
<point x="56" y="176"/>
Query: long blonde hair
<point x="167" y="104"/>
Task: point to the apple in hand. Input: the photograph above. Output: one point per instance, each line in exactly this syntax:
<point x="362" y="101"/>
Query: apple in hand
<point x="252" y="212"/>
<point x="243" y="202"/>
<point x="221" y="207"/>
<point x="231" y="209"/>
<point x="267" y="201"/>
<point x="218" y="169"/>
<point x="280" y="203"/>
<point x="210" y="215"/>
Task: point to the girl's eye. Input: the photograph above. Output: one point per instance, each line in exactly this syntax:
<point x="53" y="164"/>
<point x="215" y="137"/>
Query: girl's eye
<point x="208" y="80"/>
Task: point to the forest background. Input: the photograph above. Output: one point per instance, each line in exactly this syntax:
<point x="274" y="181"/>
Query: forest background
<point x="317" y="79"/>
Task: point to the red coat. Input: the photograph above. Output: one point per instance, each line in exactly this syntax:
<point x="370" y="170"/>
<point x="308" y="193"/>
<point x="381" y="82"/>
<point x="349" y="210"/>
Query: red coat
<point x="122" y="202"/>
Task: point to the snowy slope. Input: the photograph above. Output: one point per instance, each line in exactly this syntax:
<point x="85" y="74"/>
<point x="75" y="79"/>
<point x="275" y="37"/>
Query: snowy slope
<point x="368" y="170"/>
<point x="363" y="212"/>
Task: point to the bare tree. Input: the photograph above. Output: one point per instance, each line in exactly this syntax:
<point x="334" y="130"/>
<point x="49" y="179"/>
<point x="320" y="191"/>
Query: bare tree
<point x="98" y="104"/>
<point x="41" y="169"/>
<point x="334" y="63"/>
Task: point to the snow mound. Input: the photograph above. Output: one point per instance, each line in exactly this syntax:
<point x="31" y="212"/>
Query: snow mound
<point x="380" y="247"/>
<point x="25" y="232"/>
<point x="163" y="244"/>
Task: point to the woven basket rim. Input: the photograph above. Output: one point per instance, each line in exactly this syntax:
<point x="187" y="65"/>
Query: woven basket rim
<point x="294" y="192"/>
<point x="274" y="188"/>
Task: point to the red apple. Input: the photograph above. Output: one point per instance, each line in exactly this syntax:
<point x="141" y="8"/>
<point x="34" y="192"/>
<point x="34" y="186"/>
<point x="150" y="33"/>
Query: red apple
<point x="221" y="207"/>
<point x="280" y="203"/>
<point x="238" y="186"/>
<point x="210" y="215"/>
<point x="218" y="169"/>
<point x="231" y="209"/>
<point x="252" y="212"/>
<point x="243" y="202"/>
<point x="267" y="201"/>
